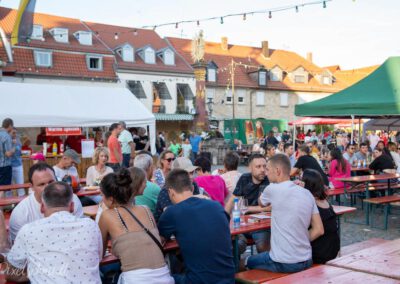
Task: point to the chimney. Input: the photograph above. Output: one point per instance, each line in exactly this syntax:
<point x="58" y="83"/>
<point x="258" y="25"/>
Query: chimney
<point x="224" y="43"/>
<point x="265" y="48"/>
<point x="309" y="56"/>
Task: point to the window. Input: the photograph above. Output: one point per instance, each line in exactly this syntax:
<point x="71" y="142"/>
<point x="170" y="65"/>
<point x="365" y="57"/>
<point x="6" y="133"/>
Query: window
<point x="43" y="58"/>
<point x="94" y="62"/>
<point x="284" y="98"/>
<point x="60" y="35"/>
<point x="169" y="57"/>
<point x="299" y="79"/>
<point x="37" y="32"/>
<point x="127" y="53"/>
<point x="275" y="75"/>
<point x="262" y="77"/>
<point x="241" y="94"/>
<point x="260" y="99"/>
<point x="228" y="97"/>
<point x="211" y="75"/>
<point x="210" y="94"/>
<point x="326" y="80"/>
<point x="149" y="56"/>
<point x="84" y="37"/>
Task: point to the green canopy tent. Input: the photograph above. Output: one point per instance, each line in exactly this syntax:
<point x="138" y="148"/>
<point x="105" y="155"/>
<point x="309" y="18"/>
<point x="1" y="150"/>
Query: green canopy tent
<point x="377" y="95"/>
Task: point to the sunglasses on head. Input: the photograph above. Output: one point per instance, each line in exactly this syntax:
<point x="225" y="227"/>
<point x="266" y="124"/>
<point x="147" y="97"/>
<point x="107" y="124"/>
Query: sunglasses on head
<point x="170" y="159"/>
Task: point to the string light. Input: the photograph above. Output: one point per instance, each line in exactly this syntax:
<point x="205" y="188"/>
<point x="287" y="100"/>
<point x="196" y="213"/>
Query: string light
<point x="198" y="23"/>
<point x="324" y="4"/>
<point x="244" y="17"/>
<point x="297" y="9"/>
<point x="135" y="32"/>
<point x="222" y="20"/>
<point x="270" y="14"/>
<point x="116" y="36"/>
<point x="176" y="25"/>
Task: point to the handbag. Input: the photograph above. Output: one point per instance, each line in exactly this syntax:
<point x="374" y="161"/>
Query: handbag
<point x="145" y="229"/>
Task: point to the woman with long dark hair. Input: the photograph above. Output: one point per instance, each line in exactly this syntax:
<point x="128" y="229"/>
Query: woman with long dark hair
<point x="338" y="168"/>
<point x="327" y="246"/>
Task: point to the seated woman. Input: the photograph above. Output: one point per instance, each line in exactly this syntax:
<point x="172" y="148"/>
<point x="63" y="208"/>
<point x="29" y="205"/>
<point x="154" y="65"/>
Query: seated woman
<point x="95" y="173"/>
<point x="132" y="229"/>
<point x="338" y="168"/>
<point x="381" y="162"/>
<point x="327" y="246"/>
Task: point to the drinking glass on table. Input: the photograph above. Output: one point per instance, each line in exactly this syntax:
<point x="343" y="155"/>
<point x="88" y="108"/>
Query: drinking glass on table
<point x="243" y="206"/>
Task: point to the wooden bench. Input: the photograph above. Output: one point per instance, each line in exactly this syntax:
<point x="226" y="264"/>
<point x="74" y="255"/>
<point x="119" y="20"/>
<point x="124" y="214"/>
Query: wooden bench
<point x="361" y="245"/>
<point x="384" y="200"/>
<point x="255" y="276"/>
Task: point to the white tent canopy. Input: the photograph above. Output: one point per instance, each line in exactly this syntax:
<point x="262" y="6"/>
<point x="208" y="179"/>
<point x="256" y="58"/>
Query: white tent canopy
<point x="49" y="105"/>
<point x="383" y="124"/>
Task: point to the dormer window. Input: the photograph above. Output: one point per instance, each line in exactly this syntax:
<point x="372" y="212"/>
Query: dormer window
<point x="212" y="72"/>
<point x="167" y="56"/>
<point x="84" y="37"/>
<point x="60" y="34"/>
<point x="37" y="32"/>
<point x="262" y="77"/>
<point x="275" y="74"/>
<point x="299" y="75"/>
<point x="299" y="79"/>
<point x="43" y="58"/>
<point x="94" y="62"/>
<point x="126" y="52"/>
<point x="326" y="80"/>
<point x="147" y="54"/>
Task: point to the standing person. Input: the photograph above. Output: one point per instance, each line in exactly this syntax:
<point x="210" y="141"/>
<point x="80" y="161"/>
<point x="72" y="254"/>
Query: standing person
<point x="174" y="147"/>
<point x="186" y="149"/>
<point x="349" y="154"/>
<point x="285" y="136"/>
<point x="327" y="246"/>
<point x="152" y="190"/>
<point x="293" y="211"/>
<point x="205" y="245"/>
<point x="271" y="140"/>
<point x="306" y="161"/>
<point x="289" y="152"/>
<point x="115" y="147"/>
<point x="231" y="174"/>
<point x="6" y="152"/>
<point x="16" y="163"/>
<point x="195" y="141"/>
<point x="28" y="210"/>
<point x="165" y="164"/>
<point x="163" y="143"/>
<point x="373" y="139"/>
<point x="392" y="147"/>
<point x="339" y="167"/>
<point x="213" y="185"/>
<point x="132" y="229"/>
<point x="59" y="248"/>
<point x="270" y="151"/>
<point x="250" y="186"/>
<point x="142" y="140"/>
<point x="127" y="145"/>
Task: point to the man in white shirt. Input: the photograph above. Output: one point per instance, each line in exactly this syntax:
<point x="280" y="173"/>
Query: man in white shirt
<point x="373" y="139"/>
<point x="65" y="167"/>
<point x="28" y="210"/>
<point x="59" y="248"/>
<point x="293" y="211"/>
<point x="127" y="145"/>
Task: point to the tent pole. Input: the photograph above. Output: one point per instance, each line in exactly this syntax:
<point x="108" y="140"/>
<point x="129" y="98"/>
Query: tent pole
<point x="359" y="132"/>
<point x="352" y="129"/>
<point x="294" y="135"/>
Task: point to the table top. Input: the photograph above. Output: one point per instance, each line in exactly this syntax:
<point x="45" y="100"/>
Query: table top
<point x="382" y="259"/>
<point x="263" y="224"/>
<point x="14" y="186"/>
<point x="91" y="210"/>
<point x="85" y="192"/>
<point x="332" y="275"/>
<point x="368" y="178"/>
<point x="340" y="210"/>
<point x="5" y="201"/>
<point x="361" y="169"/>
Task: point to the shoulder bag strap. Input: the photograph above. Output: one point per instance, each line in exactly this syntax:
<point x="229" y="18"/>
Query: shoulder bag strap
<point x="145" y="229"/>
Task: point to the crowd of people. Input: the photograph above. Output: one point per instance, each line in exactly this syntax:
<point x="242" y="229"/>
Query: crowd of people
<point x="146" y="200"/>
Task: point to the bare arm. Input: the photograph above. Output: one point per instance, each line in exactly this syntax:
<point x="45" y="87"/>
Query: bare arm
<point x="116" y="155"/>
<point x="317" y="228"/>
<point x="15" y="274"/>
<point x="133" y="148"/>
<point x="103" y="224"/>
<point x="229" y="204"/>
<point x="4" y="244"/>
<point x="294" y="172"/>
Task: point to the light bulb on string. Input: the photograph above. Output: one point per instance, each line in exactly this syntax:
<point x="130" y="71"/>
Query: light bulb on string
<point x="176" y="25"/>
<point x="135" y="32"/>
<point x="270" y="14"/>
<point x="116" y="36"/>
<point x="244" y="17"/>
<point x="297" y="9"/>
<point x="198" y="23"/>
<point x="222" y="20"/>
<point x="324" y="4"/>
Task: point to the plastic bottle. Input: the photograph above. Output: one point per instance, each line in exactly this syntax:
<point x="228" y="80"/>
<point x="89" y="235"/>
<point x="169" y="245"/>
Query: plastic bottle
<point x="54" y="149"/>
<point x="359" y="164"/>
<point x="365" y="163"/>
<point x="236" y="214"/>
<point x="61" y="148"/>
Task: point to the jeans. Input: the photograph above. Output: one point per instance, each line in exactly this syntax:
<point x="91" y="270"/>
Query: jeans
<point x="17" y="178"/>
<point x="264" y="261"/>
<point x="179" y="278"/>
<point x="260" y="238"/>
<point x="126" y="158"/>
<point x="5" y="175"/>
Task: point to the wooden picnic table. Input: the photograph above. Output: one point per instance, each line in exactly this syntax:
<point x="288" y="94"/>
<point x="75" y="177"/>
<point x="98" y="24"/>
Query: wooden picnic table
<point x="332" y="275"/>
<point x="382" y="259"/>
<point x="6" y="201"/>
<point x="360" y="169"/>
<point x="14" y="186"/>
<point x="86" y="192"/>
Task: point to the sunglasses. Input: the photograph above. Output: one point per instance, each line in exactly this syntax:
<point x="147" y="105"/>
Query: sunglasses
<point x="170" y="159"/>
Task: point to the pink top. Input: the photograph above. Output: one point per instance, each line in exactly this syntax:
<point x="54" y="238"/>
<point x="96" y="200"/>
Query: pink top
<point x="214" y="186"/>
<point x="333" y="174"/>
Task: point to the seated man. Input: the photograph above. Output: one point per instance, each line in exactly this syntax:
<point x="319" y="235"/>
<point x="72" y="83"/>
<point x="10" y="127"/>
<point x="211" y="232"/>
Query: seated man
<point x="65" y="167"/>
<point x="250" y="186"/>
<point x="151" y="192"/>
<point x="293" y="211"/>
<point x="349" y="154"/>
<point x="28" y="210"/>
<point x="59" y="248"/>
<point x="201" y="228"/>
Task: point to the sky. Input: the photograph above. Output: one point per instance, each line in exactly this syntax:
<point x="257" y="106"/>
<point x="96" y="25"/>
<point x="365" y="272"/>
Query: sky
<point x="349" y="33"/>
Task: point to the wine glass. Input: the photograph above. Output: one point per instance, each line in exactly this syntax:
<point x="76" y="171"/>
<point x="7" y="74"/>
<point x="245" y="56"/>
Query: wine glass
<point x="243" y="206"/>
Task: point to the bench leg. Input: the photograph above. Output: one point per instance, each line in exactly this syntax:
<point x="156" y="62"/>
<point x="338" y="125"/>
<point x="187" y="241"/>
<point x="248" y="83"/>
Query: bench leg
<point x="386" y="215"/>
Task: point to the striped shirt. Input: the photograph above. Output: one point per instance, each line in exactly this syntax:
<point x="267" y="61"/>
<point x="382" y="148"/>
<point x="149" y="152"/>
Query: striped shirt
<point x="5" y="146"/>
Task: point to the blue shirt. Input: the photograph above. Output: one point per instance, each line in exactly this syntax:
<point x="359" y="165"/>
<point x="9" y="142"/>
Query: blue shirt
<point x="5" y="146"/>
<point x="16" y="159"/>
<point x="195" y="142"/>
<point x="201" y="228"/>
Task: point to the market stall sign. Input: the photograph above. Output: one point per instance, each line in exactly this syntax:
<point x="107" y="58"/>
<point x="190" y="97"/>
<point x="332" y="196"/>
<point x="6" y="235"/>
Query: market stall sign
<point x="63" y="131"/>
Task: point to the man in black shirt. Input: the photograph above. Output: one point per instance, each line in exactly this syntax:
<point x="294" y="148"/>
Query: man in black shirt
<point x="306" y="161"/>
<point x="250" y="186"/>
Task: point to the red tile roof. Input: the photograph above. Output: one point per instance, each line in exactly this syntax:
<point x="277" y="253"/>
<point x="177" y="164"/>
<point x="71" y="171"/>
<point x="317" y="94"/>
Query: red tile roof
<point x="3" y="54"/>
<point x="286" y="60"/>
<point x="142" y="38"/>
<point x="69" y="59"/>
<point x="350" y="77"/>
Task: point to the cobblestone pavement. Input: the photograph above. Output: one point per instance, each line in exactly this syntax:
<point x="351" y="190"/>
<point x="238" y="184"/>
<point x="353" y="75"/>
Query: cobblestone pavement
<point x="352" y="233"/>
